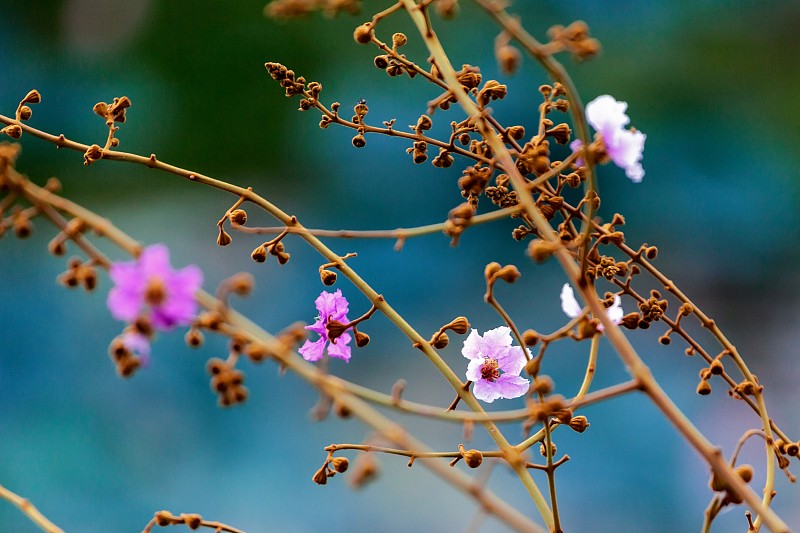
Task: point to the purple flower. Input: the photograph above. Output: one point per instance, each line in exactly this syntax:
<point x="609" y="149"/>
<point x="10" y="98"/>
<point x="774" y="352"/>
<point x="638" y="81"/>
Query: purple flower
<point x="572" y="308"/>
<point x="623" y="146"/>
<point x="331" y="306"/>
<point x="151" y="282"/>
<point x="489" y="355"/>
<point x="138" y="345"/>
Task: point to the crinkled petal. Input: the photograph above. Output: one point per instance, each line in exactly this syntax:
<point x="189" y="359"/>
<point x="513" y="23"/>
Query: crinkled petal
<point x="332" y="306"/>
<point x="606" y="114"/>
<point x="615" y="312"/>
<point x="340" y="348"/>
<point x="485" y="390"/>
<point x="313" y="351"/>
<point x="569" y="304"/>
<point x="497" y="342"/>
<point x="124" y="304"/>
<point x="513" y="362"/>
<point x="508" y="386"/>
<point x="318" y="327"/>
<point x="473" y="346"/>
<point x="626" y="149"/>
<point x="474" y="369"/>
<point x="154" y="260"/>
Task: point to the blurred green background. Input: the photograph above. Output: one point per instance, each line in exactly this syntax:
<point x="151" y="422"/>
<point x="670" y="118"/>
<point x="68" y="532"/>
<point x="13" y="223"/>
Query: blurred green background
<point x="713" y="84"/>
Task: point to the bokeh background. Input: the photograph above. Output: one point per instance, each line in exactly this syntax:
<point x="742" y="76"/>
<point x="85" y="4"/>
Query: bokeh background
<point x="713" y="84"/>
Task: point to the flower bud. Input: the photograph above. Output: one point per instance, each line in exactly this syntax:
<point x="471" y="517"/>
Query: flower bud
<point x="381" y="62"/>
<point x="579" y="424"/>
<point x="13" y="130"/>
<point x="793" y="449"/>
<point x="94" y="153"/>
<point x="508" y="273"/>
<point x="703" y="388"/>
<point x="256" y="351"/>
<point x="441" y="341"/>
<point x="259" y="255"/>
<point x="491" y="269"/>
<point x="363" y="34"/>
<point x="193" y="338"/>
<point x="543" y="449"/>
<point x="328" y="277"/>
<point x="460" y="325"/>
<point x="359" y="141"/>
<point x="745" y="472"/>
<point x="321" y="476"/>
<point x="33" y="97"/>
<point x="716" y="367"/>
<point x="340" y="464"/>
<point x="239" y="216"/>
<point x="540" y="250"/>
<point x="473" y="458"/>
<point x="25" y="112"/>
<point x="508" y="58"/>
<point x="223" y="239"/>
<point x="399" y="39"/>
<point x="362" y="339"/>
<point x="530" y="337"/>
<point x="335" y="329"/>
<point x="532" y="367"/>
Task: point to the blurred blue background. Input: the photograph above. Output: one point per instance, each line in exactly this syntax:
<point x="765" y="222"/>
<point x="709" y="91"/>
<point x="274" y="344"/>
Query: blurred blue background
<point x="713" y="84"/>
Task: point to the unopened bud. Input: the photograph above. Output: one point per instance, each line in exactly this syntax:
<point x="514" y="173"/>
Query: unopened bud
<point x="25" y="112"/>
<point x="579" y="424"/>
<point x="530" y="337"/>
<point x="259" y="255"/>
<point x="363" y="34"/>
<point x="328" y="277"/>
<point x="540" y="250"/>
<point x="194" y="338"/>
<point x="508" y="273"/>
<point x="543" y="385"/>
<point x="362" y="339"/>
<point x="491" y="269"/>
<point x="473" y="458"/>
<point x="793" y="449"/>
<point x="703" y="388"/>
<point x="460" y="325"/>
<point x="745" y="472"/>
<point x="239" y="216"/>
<point x="13" y="130"/>
<point x="321" y="476"/>
<point x="441" y="341"/>
<point x="223" y="239"/>
<point x="340" y="464"/>
<point x="399" y="39"/>
<point x="33" y="97"/>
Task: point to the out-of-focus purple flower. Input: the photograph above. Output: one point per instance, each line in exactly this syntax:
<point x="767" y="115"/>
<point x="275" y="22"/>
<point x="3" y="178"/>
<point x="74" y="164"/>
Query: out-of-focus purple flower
<point x="331" y="306"/>
<point x="624" y="147"/>
<point x="150" y="282"/>
<point x="572" y="308"/>
<point x="489" y="355"/>
<point x="138" y="345"/>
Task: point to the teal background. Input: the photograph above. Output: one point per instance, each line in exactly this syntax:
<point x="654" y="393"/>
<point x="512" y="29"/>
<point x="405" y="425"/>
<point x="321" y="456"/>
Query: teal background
<point x="713" y="84"/>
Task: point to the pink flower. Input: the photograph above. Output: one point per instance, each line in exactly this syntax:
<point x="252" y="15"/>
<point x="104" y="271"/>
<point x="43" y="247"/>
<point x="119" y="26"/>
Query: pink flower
<point x="572" y="308"/>
<point x="331" y="306"/>
<point x="488" y="356"/>
<point x="623" y="146"/>
<point x="150" y="282"/>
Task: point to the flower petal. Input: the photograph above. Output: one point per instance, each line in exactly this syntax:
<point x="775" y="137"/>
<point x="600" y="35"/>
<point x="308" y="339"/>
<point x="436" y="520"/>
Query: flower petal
<point x="313" y="351"/>
<point x="474" y="370"/>
<point x="485" y="390"/>
<point x="615" y="312"/>
<point x="509" y="386"/>
<point x="606" y="114"/>
<point x="569" y="304"/>
<point x="340" y="348"/>
<point x="513" y="362"/>
<point x="473" y="346"/>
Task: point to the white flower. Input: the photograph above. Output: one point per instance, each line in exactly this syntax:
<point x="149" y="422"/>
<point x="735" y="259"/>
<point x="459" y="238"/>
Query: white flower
<point x="572" y="308"/>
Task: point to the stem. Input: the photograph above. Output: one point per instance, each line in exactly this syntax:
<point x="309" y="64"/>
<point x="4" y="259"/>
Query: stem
<point x="590" y="368"/>
<point x="30" y="511"/>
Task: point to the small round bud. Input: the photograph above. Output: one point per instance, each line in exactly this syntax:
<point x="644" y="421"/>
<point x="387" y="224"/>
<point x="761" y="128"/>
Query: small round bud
<point x="516" y="132"/>
<point x="745" y="472"/>
<point x="651" y="252"/>
<point x="320" y="476"/>
<point x="532" y="367"/>
<point x="241" y="283"/>
<point x="33" y="97"/>
<point x="399" y="39"/>
<point x="579" y="424"/>
<point x="25" y="112"/>
<point x="363" y="34"/>
<point x="460" y="325"/>
<point x="328" y="277"/>
<point x="508" y="273"/>
<point x="359" y="141"/>
<point x="256" y="351"/>
<point x="540" y="250"/>
<point x="223" y="239"/>
<point x="793" y="449"/>
<point x="362" y="339"/>
<point x="473" y="458"/>
<point x="382" y="62"/>
<point x="441" y="341"/>
<point x="340" y="464"/>
<point x="716" y="367"/>
<point x="703" y="388"/>
<point x="57" y="246"/>
<point x="14" y="131"/>
<point x="239" y="216"/>
<point x="491" y="269"/>
<point x="193" y="338"/>
<point x="543" y="385"/>
<point x="259" y="255"/>
<point x="341" y="410"/>
<point x="530" y="337"/>
<point x="193" y="521"/>
<point x="543" y="449"/>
